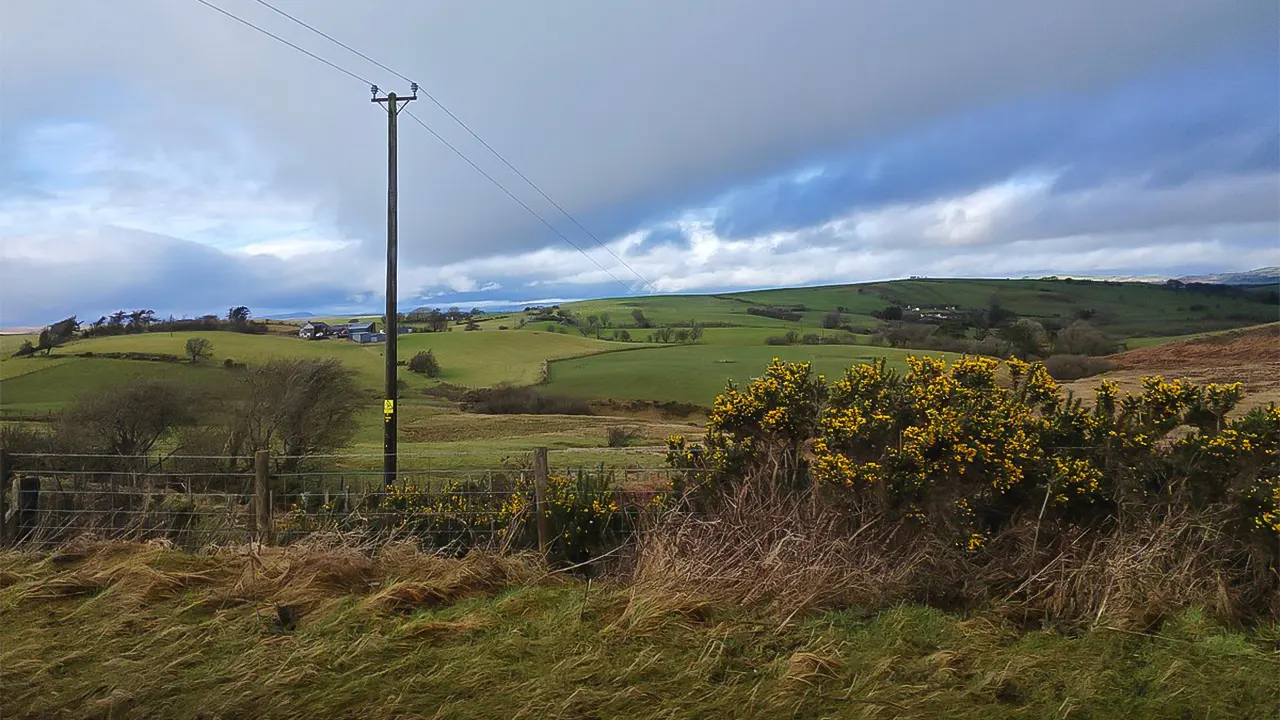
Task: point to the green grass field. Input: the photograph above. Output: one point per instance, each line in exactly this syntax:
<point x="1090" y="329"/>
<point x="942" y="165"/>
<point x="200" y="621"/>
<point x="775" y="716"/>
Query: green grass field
<point x="1124" y="310"/>
<point x="52" y="383"/>
<point x="697" y="373"/>
<point x="471" y="359"/>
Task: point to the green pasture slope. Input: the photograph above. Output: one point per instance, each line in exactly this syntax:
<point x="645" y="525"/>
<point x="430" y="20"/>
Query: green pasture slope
<point x="470" y="359"/>
<point x="1125" y="310"/>
<point x="697" y="373"/>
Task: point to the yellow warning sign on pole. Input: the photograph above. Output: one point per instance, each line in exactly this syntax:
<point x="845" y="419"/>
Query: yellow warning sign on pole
<point x="388" y="407"/>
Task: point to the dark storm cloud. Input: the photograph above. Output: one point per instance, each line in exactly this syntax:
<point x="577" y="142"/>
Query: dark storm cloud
<point x="1221" y="118"/>
<point x="603" y="103"/>
<point x="676" y="120"/>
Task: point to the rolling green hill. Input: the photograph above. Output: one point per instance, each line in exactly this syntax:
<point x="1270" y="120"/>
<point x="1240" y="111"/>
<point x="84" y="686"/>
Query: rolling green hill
<point x="697" y="373"/>
<point x="1124" y="310"/>
<point x="733" y="346"/>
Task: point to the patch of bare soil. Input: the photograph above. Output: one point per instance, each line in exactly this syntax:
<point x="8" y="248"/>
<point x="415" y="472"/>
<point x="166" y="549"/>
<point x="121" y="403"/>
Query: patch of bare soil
<point x="1257" y="345"/>
<point x="1250" y="356"/>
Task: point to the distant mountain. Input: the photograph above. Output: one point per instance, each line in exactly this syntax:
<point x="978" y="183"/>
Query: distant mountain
<point x="294" y="316"/>
<point x="1260" y="276"/>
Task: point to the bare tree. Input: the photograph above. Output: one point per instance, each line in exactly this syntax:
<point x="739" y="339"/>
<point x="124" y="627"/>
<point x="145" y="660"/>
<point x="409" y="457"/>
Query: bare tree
<point x="130" y="419"/>
<point x="198" y="347"/>
<point x="297" y="408"/>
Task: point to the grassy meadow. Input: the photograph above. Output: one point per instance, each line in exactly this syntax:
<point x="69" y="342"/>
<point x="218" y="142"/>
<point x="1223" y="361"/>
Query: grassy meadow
<point x="733" y="348"/>
<point x="697" y="373"/>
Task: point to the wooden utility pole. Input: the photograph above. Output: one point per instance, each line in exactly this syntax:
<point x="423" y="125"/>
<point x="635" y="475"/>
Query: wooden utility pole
<point x="262" y="497"/>
<point x="541" y="475"/>
<point x="394" y="105"/>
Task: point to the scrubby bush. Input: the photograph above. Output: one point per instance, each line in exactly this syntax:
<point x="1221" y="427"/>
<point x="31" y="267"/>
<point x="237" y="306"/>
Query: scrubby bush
<point x="776" y="313"/>
<point x="1028" y="338"/>
<point x="1075" y="367"/>
<point x="621" y="436"/>
<point x="510" y="400"/>
<point x="1081" y="338"/>
<point x="425" y="363"/>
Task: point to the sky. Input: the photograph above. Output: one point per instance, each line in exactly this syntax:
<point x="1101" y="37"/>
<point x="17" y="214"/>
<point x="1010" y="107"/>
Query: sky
<point x="158" y="154"/>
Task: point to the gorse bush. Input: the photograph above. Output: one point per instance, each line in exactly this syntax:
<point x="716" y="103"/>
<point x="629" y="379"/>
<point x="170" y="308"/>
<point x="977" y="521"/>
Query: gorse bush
<point x="960" y="448"/>
<point x="582" y="511"/>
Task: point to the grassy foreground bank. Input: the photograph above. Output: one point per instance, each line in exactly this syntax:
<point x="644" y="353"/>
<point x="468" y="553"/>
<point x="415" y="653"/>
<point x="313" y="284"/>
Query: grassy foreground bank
<point x="141" y="631"/>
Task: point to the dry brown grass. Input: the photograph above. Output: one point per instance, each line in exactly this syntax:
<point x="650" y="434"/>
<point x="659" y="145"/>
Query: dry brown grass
<point x="1132" y="573"/>
<point x="140" y="630"/>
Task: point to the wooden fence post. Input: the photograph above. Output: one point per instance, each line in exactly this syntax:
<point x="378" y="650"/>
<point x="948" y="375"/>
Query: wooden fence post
<point x="262" y="497"/>
<point x="6" y="471"/>
<point x="540" y="473"/>
<point x="28" y="507"/>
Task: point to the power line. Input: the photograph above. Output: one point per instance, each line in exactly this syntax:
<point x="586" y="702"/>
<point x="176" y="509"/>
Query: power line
<point x="428" y="128"/>
<point x="511" y="195"/>
<point x="277" y="38"/>
<point x="471" y="132"/>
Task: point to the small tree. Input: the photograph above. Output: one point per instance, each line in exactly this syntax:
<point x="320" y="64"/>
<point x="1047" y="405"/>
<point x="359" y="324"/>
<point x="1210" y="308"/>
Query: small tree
<point x="197" y="348"/>
<point x="1027" y="337"/>
<point x="425" y="362"/>
<point x="57" y="334"/>
<point x="26" y="349"/>
<point x="891" y="313"/>
<point x="695" y="332"/>
<point x="128" y="419"/>
<point x="296" y="408"/>
<point x="641" y="321"/>
<point x="238" y="315"/>
<point x="831" y="320"/>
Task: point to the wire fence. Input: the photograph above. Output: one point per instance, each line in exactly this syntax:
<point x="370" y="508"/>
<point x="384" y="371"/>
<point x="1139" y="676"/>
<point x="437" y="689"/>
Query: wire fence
<point x="198" y="502"/>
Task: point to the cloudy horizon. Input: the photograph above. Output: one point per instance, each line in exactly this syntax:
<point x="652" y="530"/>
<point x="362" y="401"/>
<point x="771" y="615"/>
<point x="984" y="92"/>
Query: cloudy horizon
<point x="158" y="154"/>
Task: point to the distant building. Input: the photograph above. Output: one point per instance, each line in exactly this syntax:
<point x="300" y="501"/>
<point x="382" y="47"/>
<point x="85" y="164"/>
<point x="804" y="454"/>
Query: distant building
<point x="365" y="338"/>
<point x="314" y="331"/>
<point x="349" y="329"/>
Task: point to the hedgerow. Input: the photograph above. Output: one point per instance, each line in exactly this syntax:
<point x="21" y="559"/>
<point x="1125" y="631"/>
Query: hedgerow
<point x="966" y="447"/>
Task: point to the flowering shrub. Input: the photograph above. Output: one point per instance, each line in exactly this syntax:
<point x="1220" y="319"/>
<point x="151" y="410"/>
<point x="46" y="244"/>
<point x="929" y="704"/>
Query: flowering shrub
<point x="584" y="510"/>
<point x="771" y="417"/>
<point x="961" y="447"/>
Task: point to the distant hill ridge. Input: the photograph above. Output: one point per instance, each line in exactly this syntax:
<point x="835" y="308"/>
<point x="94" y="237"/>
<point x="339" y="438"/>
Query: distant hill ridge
<point x="1259" y="276"/>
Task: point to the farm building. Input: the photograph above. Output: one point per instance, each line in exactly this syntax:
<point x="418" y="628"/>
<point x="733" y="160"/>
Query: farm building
<point x="351" y="328"/>
<point x="314" y="331"/>
<point x="365" y="338"/>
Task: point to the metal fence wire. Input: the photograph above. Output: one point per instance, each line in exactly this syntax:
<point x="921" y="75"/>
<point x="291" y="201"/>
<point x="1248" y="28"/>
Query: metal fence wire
<point x="197" y="502"/>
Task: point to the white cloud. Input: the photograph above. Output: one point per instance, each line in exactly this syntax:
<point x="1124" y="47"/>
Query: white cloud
<point x="289" y="248"/>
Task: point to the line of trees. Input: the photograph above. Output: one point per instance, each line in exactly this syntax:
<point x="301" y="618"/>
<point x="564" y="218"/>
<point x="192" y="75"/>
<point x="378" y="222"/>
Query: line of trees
<point x="122" y="322"/>
<point x="437" y="320"/>
<point x="128" y="322"/>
